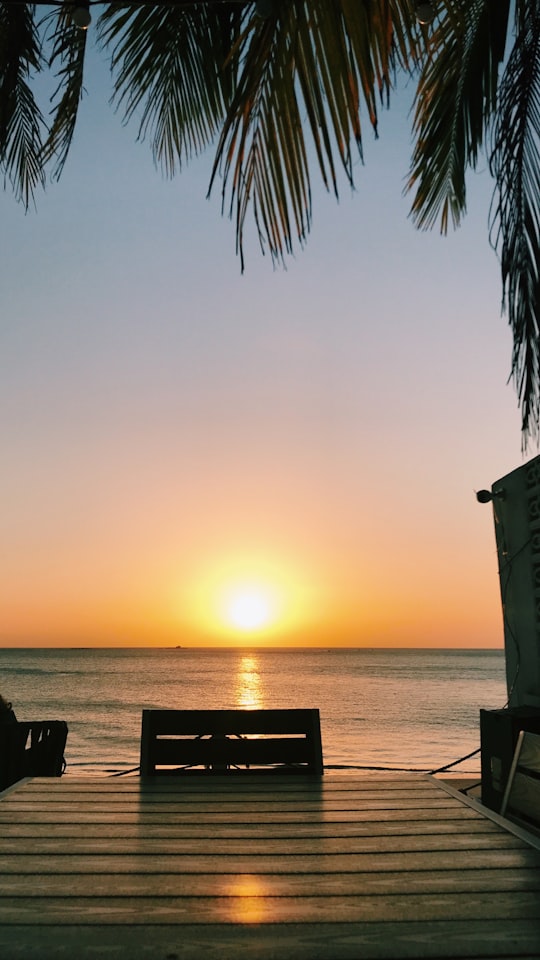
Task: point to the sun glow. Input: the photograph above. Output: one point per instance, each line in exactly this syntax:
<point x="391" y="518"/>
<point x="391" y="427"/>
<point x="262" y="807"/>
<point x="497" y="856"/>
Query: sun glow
<point x="250" y="607"/>
<point x="249" y="599"/>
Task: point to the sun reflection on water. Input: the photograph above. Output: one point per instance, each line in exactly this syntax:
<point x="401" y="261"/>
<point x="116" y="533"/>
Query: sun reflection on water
<point x="248" y="692"/>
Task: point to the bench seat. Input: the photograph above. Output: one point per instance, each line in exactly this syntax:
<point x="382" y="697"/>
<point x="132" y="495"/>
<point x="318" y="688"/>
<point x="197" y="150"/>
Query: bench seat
<point x="231" y="741"/>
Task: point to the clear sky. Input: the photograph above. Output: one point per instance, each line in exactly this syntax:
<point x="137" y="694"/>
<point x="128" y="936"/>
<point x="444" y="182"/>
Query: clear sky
<point x="195" y="456"/>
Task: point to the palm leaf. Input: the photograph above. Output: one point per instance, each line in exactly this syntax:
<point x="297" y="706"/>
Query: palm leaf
<point x="169" y="66"/>
<point x="68" y="47"/>
<point x="515" y="164"/>
<point x="21" y="121"/>
<point x="455" y="103"/>
<point x="305" y="69"/>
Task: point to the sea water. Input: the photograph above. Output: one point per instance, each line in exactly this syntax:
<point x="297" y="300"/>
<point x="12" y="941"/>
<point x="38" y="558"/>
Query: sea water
<point x="397" y="709"/>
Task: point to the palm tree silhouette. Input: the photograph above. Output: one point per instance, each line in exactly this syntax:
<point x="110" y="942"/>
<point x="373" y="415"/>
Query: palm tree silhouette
<point x="281" y="87"/>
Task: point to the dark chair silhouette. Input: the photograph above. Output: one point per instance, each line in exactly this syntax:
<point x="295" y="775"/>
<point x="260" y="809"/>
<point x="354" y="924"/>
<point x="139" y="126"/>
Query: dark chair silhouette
<point x="521" y="800"/>
<point x="31" y="749"/>
<point x="231" y="741"/>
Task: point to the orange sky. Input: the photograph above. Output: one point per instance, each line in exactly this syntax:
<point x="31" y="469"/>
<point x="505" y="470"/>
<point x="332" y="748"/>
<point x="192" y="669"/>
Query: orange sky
<point x="407" y="578"/>
<point x="172" y="430"/>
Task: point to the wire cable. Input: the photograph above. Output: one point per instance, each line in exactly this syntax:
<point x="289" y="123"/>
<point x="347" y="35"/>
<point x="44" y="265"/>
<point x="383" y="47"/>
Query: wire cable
<point x="360" y="766"/>
<point x="455" y="762"/>
<point x="123" y="773"/>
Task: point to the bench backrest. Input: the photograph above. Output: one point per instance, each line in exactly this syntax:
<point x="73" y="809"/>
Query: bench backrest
<point x="231" y="741"/>
<point x="522" y="795"/>
<point x="31" y="749"/>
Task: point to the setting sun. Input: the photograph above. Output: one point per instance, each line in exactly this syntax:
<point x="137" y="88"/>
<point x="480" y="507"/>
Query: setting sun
<point x="250" y="607"/>
<point x="250" y="598"/>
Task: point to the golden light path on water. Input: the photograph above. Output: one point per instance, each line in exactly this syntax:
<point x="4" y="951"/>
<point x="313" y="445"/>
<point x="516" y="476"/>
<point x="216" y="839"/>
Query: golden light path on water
<point x="246" y="890"/>
<point x="248" y="693"/>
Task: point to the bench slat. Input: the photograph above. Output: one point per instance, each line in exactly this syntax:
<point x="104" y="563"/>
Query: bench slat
<point x="229" y="722"/>
<point x="184" y="751"/>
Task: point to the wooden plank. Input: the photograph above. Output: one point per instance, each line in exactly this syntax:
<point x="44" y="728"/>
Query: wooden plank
<point x="507" y="881"/>
<point x="255" y="789"/>
<point x="343" y="783"/>
<point x="276" y="874"/>
<point x="288" y="848"/>
<point x="232" y="721"/>
<point x="231" y="806"/>
<point x="247" y="818"/>
<point x="212" y="796"/>
<point x="345" y="799"/>
<point x="219" y="784"/>
<point x="520" y="831"/>
<point x="337" y="780"/>
<point x="271" y="750"/>
<point x="344" y="820"/>
<point x="491" y="857"/>
<point x="476" y="939"/>
<point x="248" y="908"/>
<point x="239" y="832"/>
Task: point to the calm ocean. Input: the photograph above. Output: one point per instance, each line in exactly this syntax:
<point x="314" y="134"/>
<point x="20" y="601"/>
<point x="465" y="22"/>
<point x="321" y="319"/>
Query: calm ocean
<point x="386" y="708"/>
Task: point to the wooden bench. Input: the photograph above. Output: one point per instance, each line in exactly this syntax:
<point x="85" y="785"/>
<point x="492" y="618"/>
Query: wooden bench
<point x="231" y="741"/>
<point x="31" y="749"/>
<point x="521" y="800"/>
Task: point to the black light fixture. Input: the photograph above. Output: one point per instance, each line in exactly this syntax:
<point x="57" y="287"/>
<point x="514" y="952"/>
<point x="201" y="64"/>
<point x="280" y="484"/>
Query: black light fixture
<point x="487" y="496"/>
<point x="80" y="15"/>
<point x="424" y="11"/>
<point x="265" y="9"/>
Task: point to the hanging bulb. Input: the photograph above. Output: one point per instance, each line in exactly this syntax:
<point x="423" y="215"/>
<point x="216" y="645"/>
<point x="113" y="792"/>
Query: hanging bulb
<point x="80" y="15"/>
<point x="424" y="11"/>
<point x="265" y="9"/>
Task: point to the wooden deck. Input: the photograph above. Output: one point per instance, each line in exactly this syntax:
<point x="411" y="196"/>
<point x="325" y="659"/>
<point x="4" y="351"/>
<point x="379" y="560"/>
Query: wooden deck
<point x="355" y="867"/>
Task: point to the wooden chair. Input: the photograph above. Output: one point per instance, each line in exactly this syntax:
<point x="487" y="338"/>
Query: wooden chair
<point x="521" y="800"/>
<point x="231" y="741"/>
<point x="31" y="749"/>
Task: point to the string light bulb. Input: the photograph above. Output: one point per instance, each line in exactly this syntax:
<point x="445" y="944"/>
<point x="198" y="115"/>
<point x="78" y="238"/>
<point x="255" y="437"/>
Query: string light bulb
<point x="265" y="9"/>
<point x="424" y="11"/>
<point x="80" y="15"/>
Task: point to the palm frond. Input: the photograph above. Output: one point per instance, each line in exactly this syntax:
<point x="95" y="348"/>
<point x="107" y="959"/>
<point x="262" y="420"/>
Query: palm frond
<point x="21" y="121"/>
<point x="171" y="72"/>
<point x="68" y="48"/>
<point x="305" y="69"/>
<point x="455" y="102"/>
<point x="515" y="164"/>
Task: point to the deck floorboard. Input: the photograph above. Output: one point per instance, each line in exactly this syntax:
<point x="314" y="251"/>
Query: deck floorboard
<point x="378" y="867"/>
